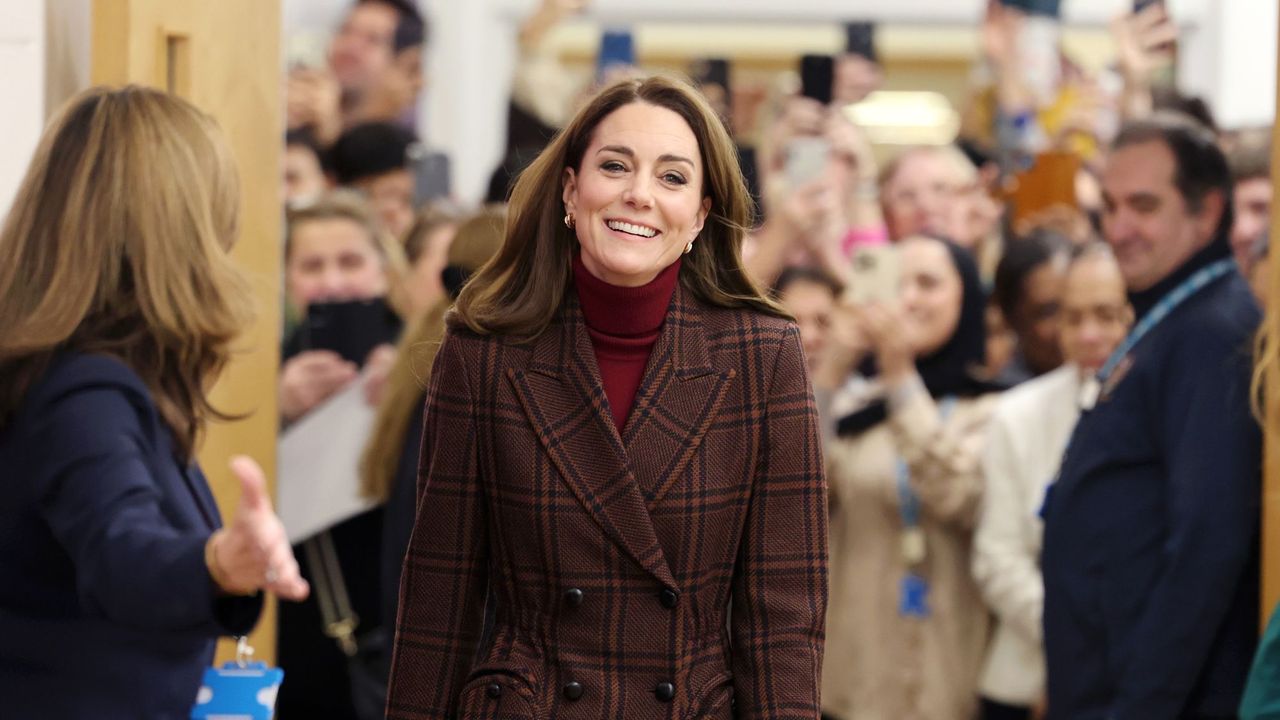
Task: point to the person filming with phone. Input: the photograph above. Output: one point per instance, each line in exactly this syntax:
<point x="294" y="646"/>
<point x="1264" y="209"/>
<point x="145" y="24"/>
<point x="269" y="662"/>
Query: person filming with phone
<point x="372" y="71"/>
<point x="907" y="628"/>
<point x="338" y="274"/>
<point x="818" y="183"/>
<point x="345" y="274"/>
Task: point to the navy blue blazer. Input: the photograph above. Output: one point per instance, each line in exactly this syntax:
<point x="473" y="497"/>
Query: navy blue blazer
<point x="1151" y="531"/>
<point x="106" y="607"/>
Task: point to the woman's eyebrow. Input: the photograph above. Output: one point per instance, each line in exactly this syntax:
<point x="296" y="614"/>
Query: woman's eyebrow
<point x="624" y="150"/>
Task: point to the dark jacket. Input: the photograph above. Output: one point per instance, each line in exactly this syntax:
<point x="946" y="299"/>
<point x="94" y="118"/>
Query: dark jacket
<point x="397" y="523"/>
<point x="318" y="680"/>
<point x="106" y="607"/>
<point x="1151" y="531"/>
<point x="609" y="560"/>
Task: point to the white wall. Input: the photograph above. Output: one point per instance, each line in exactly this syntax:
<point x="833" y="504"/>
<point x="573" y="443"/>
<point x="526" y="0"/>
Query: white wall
<point x="22" y="87"/>
<point x="1243" y="92"/>
<point x="68" y="26"/>
<point x="469" y="68"/>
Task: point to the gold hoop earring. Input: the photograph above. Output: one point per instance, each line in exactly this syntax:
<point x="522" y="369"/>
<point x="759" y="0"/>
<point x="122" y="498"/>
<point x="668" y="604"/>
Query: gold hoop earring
<point x="688" y="248"/>
<point x="569" y="221"/>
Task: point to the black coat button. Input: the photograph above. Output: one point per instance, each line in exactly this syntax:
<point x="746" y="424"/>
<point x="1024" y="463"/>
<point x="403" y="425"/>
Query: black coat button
<point x="669" y="598"/>
<point x="573" y="597"/>
<point x="665" y="691"/>
<point x="493" y="690"/>
<point x="573" y="690"/>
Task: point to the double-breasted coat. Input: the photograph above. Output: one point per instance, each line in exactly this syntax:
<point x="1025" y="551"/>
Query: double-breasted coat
<point x="675" y="569"/>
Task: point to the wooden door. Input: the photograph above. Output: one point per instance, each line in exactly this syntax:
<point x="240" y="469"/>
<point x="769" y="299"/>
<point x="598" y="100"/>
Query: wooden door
<point x="1271" y="447"/>
<point x="224" y="56"/>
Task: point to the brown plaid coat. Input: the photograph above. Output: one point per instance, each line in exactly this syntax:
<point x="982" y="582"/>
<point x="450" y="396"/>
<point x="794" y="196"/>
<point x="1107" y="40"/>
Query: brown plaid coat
<point x="611" y="563"/>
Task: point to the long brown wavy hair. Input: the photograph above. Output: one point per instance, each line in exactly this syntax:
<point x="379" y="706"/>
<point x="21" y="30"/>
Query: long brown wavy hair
<point x="478" y="238"/>
<point x="520" y="290"/>
<point x="116" y="245"/>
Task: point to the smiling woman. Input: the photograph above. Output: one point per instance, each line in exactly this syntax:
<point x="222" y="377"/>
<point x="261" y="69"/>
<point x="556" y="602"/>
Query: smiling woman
<point x="908" y="627"/>
<point x="620" y="450"/>
<point x="520" y="290"/>
<point x="635" y="205"/>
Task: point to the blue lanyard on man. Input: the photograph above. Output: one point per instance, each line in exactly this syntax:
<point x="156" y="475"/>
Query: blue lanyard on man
<point x="1162" y="309"/>
<point x="913" y="596"/>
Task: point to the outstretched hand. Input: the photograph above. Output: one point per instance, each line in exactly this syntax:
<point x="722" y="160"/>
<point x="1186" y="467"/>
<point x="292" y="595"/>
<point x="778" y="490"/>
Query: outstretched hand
<point x="253" y="553"/>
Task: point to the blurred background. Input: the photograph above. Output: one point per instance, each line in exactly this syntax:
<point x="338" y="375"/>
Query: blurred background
<point x="928" y="48"/>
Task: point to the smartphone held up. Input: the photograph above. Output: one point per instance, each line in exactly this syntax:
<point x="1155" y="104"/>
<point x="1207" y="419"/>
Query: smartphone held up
<point x="875" y="277"/>
<point x="806" y="159"/>
<point x="817" y="77"/>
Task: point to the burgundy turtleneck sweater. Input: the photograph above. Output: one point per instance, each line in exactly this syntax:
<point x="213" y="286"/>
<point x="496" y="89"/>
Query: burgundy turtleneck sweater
<point x="623" y="324"/>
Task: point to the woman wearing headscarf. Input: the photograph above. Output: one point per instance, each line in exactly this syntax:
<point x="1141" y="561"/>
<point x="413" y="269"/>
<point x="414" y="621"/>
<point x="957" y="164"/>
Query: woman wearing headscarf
<point x="906" y="627"/>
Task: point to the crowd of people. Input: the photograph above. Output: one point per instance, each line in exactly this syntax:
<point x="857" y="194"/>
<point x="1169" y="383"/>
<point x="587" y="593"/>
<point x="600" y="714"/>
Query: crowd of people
<point x="946" y="410"/>
<point x="716" y="425"/>
<point x="936" y="464"/>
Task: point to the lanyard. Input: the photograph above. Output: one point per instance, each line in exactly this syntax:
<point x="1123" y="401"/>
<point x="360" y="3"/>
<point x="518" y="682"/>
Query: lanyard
<point x="908" y="503"/>
<point x="1162" y="309"/>
<point x="1173" y="299"/>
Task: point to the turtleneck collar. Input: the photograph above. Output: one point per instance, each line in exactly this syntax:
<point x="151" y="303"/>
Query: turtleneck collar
<point x="1216" y="250"/>
<point x="624" y="312"/>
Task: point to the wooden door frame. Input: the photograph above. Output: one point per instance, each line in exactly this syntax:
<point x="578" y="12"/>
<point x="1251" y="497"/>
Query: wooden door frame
<point x="224" y="57"/>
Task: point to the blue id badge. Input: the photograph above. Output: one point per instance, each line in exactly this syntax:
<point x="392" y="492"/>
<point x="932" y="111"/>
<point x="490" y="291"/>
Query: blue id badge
<point x="239" y="690"/>
<point x="913" y="600"/>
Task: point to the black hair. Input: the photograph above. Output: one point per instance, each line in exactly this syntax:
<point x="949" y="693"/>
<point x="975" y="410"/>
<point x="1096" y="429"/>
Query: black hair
<point x="710" y="70"/>
<point x="1193" y="106"/>
<point x="1200" y="167"/>
<point x="860" y="39"/>
<point x="812" y="275"/>
<point x="976" y="152"/>
<point x="1022" y="256"/>
<point x="303" y="137"/>
<point x="949" y="370"/>
<point x="411" y="27"/>
<point x="371" y="149"/>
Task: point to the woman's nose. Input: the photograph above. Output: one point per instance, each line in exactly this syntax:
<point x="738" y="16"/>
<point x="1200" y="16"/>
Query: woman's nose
<point x="639" y="192"/>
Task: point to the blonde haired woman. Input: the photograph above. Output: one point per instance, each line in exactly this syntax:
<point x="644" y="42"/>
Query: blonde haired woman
<point x="335" y="251"/>
<point x="120" y="306"/>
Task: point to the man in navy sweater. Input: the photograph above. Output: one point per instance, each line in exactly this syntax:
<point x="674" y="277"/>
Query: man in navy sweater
<point x="1151" y="529"/>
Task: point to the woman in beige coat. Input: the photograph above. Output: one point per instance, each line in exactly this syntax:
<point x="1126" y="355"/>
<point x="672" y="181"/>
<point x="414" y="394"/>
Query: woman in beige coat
<point x="906" y="626"/>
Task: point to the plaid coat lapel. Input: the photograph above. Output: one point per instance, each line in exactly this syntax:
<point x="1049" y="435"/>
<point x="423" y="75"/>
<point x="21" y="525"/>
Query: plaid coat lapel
<point x="676" y="401"/>
<point x="563" y="396"/>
